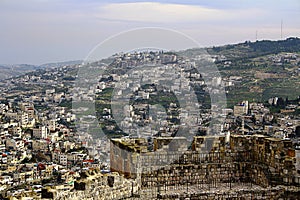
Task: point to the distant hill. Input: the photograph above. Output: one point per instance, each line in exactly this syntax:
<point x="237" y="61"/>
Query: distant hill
<point x="233" y="52"/>
<point x="61" y="64"/>
<point x="254" y="71"/>
<point x="9" y="71"/>
<point x="249" y="49"/>
<point x="267" y="69"/>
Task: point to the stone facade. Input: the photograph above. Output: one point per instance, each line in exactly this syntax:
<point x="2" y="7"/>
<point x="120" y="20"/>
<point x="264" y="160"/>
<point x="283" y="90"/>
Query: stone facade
<point x="243" y="167"/>
<point x="250" y="162"/>
<point x="94" y="185"/>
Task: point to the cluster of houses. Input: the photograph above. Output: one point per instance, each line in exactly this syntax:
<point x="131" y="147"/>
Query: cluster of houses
<point x="41" y="143"/>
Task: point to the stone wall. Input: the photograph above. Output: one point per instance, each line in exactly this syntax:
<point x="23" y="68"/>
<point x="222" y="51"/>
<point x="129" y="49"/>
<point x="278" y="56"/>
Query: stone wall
<point x="211" y="163"/>
<point x="95" y="186"/>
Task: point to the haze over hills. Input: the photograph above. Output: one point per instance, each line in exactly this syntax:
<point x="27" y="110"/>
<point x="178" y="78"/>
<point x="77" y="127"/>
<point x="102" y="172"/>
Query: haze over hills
<point x="241" y="51"/>
<point x="12" y="70"/>
<point x="255" y="71"/>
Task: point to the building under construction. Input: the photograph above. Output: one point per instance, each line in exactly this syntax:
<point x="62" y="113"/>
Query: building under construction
<point x="211" y="167"/>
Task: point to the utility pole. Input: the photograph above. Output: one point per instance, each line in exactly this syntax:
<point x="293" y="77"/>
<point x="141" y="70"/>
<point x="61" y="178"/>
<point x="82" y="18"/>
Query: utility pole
<point x="281" y="26"/>
<point x="256" y="35"/>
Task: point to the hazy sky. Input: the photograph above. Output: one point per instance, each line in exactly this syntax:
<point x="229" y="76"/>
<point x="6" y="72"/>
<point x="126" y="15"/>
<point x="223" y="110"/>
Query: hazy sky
<point x="41" y="31"/>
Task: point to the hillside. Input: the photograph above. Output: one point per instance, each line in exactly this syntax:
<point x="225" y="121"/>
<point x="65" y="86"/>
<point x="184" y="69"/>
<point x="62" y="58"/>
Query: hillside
<point x="13" y="70"/>
<point x="260" y="70"/>
<point x="254" y="71"/>
<point x="249" y="49"/>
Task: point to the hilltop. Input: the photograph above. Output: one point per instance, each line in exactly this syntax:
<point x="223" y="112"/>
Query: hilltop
<point x="248" y="50"/>
<point x="254" y="71"/>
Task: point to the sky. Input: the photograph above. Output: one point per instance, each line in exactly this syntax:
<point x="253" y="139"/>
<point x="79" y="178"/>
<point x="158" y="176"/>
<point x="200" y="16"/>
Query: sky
<point x="43" y="31"/>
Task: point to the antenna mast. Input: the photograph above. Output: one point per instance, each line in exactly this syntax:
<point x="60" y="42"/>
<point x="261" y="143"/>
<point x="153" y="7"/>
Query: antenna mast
<point x="281" y="28"/>
<point x="256" y="35"/>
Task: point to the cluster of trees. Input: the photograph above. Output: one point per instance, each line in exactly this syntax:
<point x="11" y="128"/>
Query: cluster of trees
<point x="273" y="47"/>
<point x="261" y="48"/>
